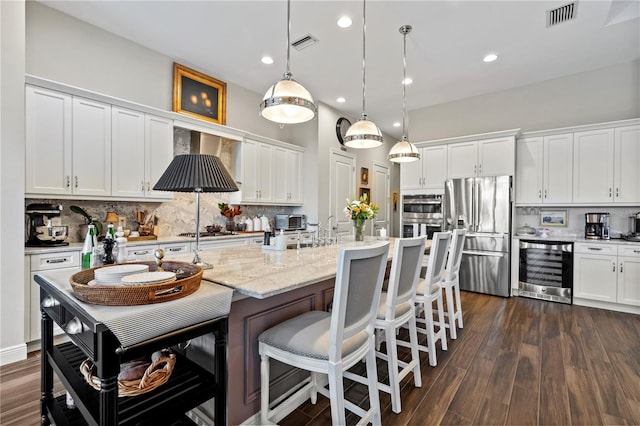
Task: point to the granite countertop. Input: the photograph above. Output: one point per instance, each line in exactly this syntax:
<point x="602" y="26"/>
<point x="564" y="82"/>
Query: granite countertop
<point x="258" y="273"/>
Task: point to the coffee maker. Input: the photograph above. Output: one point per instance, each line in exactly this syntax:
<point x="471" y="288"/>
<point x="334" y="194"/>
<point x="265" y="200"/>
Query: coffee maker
<point x="596" y="226"/>
<point x="40" y="228"/>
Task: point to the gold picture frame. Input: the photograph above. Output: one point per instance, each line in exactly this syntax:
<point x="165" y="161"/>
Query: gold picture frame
<point x="364" y="176"/>
<point x="367" y="192"/>
<point x="199" y="95"/>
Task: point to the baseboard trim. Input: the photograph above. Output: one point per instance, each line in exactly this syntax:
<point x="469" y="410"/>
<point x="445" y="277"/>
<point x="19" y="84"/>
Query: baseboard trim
<point x="13" y="354"/>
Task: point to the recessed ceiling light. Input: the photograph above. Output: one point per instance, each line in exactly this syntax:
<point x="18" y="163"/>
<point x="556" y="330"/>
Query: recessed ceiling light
<point x="490" y="57"/>
<point x="267" y="60"/>
<point x="341" y="100"/>
<point x="396" y="124"/>
<point x="407" y="81"/>
<point x="344" y="22"/>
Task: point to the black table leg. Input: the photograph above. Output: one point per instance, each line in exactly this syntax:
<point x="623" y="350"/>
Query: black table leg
<point x="46" y="370"/>
<point x="220" y="369"/>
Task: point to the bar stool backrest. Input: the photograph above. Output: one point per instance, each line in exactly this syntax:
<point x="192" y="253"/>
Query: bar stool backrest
<point x="437" y="258"/>
<point x="357" y="291"/>
<point x="405" y="273"/>
<point x="455" y="254"/>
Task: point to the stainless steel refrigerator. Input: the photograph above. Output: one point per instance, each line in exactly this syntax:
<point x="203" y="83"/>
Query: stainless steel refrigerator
<point x="482" y="206"/>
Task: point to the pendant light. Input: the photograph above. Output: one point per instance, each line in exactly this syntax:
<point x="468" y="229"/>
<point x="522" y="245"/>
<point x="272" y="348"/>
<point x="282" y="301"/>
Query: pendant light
<point x="363" y="133"/>
<point x="287" y="101"/>
<point x="404" y="151"/>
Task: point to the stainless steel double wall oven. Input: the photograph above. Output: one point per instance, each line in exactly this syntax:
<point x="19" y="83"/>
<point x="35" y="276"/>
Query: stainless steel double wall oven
<point x="421" y="212"/>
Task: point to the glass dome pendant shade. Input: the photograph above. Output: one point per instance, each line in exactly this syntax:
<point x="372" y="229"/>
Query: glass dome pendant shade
<point x="363" y="133"/>
<point x="404" y="151"/>
<point x="287" y="101"/>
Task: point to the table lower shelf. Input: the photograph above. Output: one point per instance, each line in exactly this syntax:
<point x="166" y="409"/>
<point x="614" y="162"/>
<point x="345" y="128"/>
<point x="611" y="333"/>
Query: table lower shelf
<point x="189" y="386"/>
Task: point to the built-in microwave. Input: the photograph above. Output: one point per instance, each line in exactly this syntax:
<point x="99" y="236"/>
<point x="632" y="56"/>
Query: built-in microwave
<point x="291" y="222"/>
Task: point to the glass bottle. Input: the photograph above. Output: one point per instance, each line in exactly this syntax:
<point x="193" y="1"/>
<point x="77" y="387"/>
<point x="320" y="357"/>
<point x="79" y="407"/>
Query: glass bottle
<point x="90" y="241"/>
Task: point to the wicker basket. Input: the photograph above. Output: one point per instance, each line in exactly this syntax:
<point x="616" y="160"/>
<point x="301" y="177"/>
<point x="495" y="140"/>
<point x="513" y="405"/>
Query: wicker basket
<point x="157" y="374"/>
<point x="121" y="295"/>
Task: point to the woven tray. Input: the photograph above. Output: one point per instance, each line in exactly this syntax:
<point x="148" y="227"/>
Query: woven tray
<point x="157" y="374"/>
<point x="121" y="295"/>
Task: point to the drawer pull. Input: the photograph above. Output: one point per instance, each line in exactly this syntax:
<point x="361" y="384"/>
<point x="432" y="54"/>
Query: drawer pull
<point x="175" y="249"/>
<point x="139" y="253"/>
<point x="637" y="251"/>
<point x="595" y="248"/>
<point x="59" y="260"/>
<point x="74" y="326"/>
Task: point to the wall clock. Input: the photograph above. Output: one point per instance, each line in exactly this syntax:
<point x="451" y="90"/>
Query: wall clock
<point x="342" y="125"/>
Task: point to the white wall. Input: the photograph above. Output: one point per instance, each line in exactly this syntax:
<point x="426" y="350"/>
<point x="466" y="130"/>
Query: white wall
<point x="606" y="94"/>
<point x="65" y="49"/>
<point x="12" y="137"/>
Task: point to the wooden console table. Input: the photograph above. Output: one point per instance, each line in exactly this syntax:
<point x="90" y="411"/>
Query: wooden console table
<point x="189" y="386"/>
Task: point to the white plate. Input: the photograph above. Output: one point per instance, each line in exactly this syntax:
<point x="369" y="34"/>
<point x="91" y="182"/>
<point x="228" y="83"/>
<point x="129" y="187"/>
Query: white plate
<point x="146" y="278"/>
<point x="113" y="274"/>
<point x="94" y="282"/>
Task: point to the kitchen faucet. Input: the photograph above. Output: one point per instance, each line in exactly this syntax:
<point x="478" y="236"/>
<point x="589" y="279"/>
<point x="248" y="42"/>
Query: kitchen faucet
<point x="331" y="228"/>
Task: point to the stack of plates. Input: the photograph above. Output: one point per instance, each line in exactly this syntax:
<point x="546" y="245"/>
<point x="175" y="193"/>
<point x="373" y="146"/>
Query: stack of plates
<point x="148" y="278"/>
<point x="112" y="275"/>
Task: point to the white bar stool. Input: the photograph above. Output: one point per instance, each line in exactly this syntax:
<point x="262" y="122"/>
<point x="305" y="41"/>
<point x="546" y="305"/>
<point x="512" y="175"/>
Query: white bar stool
<point x="331" y="343"/>
<point x="429" y="291"/>
<point x="396" y="310"/>
<point x="451" y="283"/>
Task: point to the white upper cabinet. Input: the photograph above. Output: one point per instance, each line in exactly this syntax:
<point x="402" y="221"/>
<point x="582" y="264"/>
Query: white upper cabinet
<point x="48" y="137"/>
<point x="80" y="147"/>
<point x="142" y="147"/>
<point x="487" y="157"/>
<point x="626" y="165"/>
<point x="543" y="171"/>
<point x="68" y="145"/>
<point x="270" y="174"/>
<point x="429" y="172"/>
<point x="127" y="143"/>
<point x="606" y="166"/>
<point x="593" y="166"/>
<point x="463" y="159"/>
<point x="557" y="169"/>
<point x="91" y="148"/>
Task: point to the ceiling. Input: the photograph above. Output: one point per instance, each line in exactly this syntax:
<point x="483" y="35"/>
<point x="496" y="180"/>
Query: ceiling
<point x="226" y="39"/>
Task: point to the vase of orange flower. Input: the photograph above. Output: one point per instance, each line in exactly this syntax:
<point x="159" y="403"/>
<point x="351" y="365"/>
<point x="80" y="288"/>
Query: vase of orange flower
<point x="359" y="211"/>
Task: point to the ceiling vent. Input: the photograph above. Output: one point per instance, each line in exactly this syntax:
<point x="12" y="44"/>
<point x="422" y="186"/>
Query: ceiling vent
<point x="304" y="42"/>
<point x="561" y="14"/>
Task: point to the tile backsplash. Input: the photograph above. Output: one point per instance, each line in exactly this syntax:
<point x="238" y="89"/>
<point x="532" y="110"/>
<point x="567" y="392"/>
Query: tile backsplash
<point x="618" y="224"/>
<point x="174" y="217"/>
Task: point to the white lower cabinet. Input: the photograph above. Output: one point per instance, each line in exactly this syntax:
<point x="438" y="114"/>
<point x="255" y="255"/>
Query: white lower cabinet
<point x="209" y="245"/>
<point x="68" y="261"/>
<point x="607" y="273"/>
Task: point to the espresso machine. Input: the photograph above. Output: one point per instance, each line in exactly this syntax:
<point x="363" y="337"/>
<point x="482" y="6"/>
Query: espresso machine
<point x="596" y="226"/>
<point x="40" y="228"/>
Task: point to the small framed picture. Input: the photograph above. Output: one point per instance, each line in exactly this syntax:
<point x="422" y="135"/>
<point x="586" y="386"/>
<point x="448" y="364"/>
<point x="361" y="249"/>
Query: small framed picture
<point x="199" y="95"/>
<point x="364" y="176"/>
<point x="553" y="218"/>
<point x="367" y="192"/>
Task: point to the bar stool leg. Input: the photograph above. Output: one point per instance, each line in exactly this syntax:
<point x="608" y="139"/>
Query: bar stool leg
<point x="264" y="390"/>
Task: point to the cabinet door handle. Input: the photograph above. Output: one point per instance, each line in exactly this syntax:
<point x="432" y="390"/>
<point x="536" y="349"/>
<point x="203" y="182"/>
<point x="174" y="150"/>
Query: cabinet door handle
<point x="148" y="186"/>
<point x="475" y="169"/>
<point x="68" y="182"/>
<point x="614" y="266"/>
<point x="76" y="179"/>
<point x="545" y="193"/>
<point x="618" y="192"/>
<point x="142" y="186"/>
<point x="480" y="168"/>
<point x="610" y="192"/>
<point x="595" y="248"/>
<point x="539" y="193"/>
<point x="621" y="267"/>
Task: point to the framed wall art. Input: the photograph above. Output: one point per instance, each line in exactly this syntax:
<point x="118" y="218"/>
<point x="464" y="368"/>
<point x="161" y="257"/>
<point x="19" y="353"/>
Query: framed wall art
<point x="553" y="218"/>
<point x="367" y="192"/>
<point x="199" y="95"/>
<point x="364" y="176"/>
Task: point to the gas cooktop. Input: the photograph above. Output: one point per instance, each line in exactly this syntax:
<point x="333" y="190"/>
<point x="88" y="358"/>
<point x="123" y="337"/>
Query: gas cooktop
<point x="208" y="234"/>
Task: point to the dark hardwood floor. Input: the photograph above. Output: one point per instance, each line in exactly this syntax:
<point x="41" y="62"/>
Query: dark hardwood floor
<point x="517" y="361"/>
